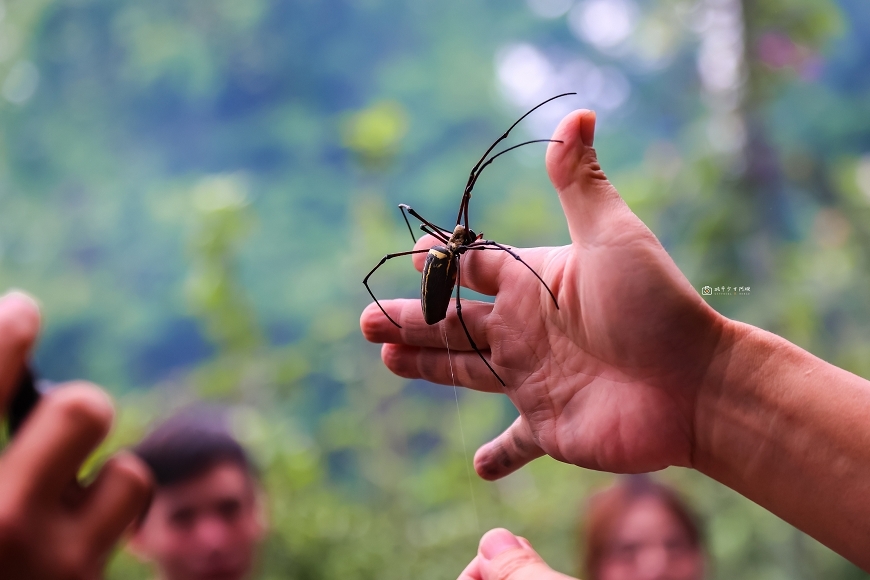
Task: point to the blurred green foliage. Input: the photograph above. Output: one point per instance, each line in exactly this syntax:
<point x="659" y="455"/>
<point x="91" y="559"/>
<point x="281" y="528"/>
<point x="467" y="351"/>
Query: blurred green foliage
<point x="195" y="190"/>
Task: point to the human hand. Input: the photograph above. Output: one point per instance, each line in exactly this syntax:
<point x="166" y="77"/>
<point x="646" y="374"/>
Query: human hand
<point x="503" y="556"/>
<point x="607" y="381"/>
<point x="50" y="526"/>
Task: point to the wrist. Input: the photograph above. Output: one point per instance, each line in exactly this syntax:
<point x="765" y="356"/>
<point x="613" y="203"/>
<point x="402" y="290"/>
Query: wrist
<point x="763" y="400"/>
<point x="727" y="388"/>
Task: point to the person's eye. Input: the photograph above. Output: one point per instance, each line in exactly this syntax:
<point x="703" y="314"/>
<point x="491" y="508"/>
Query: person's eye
<point x="183" y="518"/>
<point x="229" y="509"/>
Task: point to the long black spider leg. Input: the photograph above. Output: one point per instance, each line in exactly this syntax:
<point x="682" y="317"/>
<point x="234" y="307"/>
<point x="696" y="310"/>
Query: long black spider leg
<point x="466" y="198"/>
<point x="511" y="128"/>
<point x="381" y="263"/>
<point x="424" y="221"/>
<point x="440" y="236"/>
<point x="465" y="328"/>
<point x="482" y="244"/>
<point x="474" y="169"/>
<point x="500" y="153"/>
<point x="402" y="207"/>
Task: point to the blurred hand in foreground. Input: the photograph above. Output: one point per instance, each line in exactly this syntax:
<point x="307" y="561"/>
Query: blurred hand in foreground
<point x="607" y="381"/>
<point x="51" y="527"/>
<point x="503" y="556"/>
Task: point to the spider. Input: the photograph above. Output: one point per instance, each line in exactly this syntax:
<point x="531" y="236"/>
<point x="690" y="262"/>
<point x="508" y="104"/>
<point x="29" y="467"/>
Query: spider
<point x="441" y="271"/>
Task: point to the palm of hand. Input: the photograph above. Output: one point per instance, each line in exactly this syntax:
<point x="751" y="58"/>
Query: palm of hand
<point x="614" y="391"/>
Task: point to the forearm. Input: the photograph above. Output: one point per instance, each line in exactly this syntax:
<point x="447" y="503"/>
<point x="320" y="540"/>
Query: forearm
<point x="792" y="433"/>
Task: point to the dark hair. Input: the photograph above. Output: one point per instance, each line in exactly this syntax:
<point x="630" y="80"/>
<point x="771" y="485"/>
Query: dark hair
<point x="189" y="444"/>
<point x="606" y="509"/>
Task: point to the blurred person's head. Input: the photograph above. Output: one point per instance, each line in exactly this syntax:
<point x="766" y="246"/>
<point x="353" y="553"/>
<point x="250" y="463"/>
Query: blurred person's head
<point x="641" y="530"/>
<point x="205" y="519"/>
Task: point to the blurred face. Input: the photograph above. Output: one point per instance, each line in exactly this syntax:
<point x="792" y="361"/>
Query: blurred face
<point x="650" y="543"/>
<point x="206" y="528"/>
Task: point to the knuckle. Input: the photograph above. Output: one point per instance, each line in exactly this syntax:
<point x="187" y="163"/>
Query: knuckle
<point x="519" y="564"/>
<point x="518" y="442"/>
<point x="427" y="366"/>
<point x="500" y="458"/>
<point x="466" y="368"/>
<point x="133" y="473"/>
<point x="591" y="166"/>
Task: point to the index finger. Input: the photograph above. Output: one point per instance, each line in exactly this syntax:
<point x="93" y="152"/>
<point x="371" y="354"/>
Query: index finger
<point x="19" y="325"/>
<point x="62" y="431"/>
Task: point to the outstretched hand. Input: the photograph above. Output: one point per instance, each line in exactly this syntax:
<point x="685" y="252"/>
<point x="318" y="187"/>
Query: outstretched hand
<point x="608" y="380"/>
<point x="50" y="526"/>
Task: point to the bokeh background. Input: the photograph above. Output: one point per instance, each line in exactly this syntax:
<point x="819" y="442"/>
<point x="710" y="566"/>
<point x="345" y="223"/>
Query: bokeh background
<point x="195" y="190"/>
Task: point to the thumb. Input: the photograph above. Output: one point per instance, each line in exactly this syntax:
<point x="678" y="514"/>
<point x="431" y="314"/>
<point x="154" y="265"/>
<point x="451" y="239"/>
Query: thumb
<point x="507" y="452"/>
<point x="588" y="198"/>
<point x="503" y="556"/>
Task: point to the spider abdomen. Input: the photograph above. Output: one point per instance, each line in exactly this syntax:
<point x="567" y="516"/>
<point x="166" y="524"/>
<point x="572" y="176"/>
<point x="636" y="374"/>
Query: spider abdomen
<point x="437" y="283"/>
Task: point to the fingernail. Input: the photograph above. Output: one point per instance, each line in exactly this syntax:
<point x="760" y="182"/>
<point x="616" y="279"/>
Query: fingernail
<point x="587" y="128"/>
<point x="497" y="542"/>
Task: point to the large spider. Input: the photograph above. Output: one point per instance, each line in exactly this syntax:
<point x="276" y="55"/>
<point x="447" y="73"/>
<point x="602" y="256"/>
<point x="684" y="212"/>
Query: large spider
<point x="441" y="272"/>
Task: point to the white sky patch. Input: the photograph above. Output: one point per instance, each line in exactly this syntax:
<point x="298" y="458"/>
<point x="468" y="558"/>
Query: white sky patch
<point x="549" y="9"/>
<point x="21" y="82"/>
<point x="605" y="24"/>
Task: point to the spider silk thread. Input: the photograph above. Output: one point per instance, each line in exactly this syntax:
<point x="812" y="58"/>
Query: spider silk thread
<point x="461" y="430"/>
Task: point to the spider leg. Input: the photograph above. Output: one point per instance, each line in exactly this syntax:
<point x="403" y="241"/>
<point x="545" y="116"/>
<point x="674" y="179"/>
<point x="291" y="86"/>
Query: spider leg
<point x="475" y="171"/>
<point x="484" y="244"/>
<point x="465" y="328"/>
<point x="435" y="234"/>
<point x="381" y="263"/>
<point x="407" y="223"/>
<point x="424" y="221"/>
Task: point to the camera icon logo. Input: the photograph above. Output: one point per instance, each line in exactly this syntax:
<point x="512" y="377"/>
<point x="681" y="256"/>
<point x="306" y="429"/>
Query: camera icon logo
<point x="706" y="291"/>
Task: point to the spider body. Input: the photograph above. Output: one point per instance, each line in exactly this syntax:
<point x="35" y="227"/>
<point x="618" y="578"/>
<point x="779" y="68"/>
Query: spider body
<point x="439" y="274"/>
